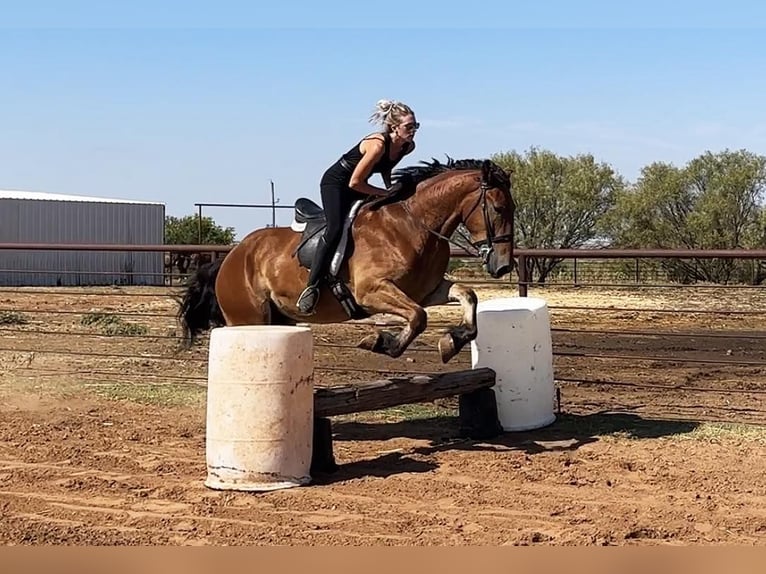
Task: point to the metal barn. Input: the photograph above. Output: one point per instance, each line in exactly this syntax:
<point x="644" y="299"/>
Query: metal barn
<point x="35" y="217"/>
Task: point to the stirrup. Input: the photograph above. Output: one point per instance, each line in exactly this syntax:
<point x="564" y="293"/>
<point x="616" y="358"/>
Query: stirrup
<point x="308" y="299"/>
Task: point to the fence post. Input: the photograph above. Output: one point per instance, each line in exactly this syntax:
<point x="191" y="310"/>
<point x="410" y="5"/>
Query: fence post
<point x="574" y="271"/>
<point x="522" y="275"/>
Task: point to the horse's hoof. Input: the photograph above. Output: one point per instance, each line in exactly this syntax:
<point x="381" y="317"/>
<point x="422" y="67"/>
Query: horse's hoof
<point x="383" y="343"/>
<point x="371" y="343"/>
<point x="447" y="347"/>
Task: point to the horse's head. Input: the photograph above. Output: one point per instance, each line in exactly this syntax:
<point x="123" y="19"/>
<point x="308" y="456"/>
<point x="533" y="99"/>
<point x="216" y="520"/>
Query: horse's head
<point x="487" y="212"/>
<point x="476" y="193"/>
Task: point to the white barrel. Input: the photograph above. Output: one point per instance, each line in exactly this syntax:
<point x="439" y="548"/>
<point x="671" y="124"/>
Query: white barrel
<point x="260" y="407"/>
<point x="514" y="340"/>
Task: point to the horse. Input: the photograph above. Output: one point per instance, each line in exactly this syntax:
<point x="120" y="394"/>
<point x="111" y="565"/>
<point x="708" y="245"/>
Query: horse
<point x="393" y="260"/>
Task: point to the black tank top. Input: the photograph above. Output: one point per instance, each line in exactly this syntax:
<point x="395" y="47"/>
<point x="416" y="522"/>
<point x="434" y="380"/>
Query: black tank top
<point x="342" y="169"/>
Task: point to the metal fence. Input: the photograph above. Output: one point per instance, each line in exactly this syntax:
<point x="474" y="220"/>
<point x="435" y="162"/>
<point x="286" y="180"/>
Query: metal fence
<point x="701" y="359"/>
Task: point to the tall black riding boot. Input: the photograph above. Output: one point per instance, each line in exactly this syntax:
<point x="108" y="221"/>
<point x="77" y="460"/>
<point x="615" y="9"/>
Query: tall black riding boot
<point x="310" y="297"/>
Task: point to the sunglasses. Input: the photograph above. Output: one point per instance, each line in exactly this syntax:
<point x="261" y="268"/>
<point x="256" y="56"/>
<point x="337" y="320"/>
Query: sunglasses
<point x="411" y="127"/>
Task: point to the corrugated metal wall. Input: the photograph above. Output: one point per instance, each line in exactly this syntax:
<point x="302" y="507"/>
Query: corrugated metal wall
<point x="50" y="221"/>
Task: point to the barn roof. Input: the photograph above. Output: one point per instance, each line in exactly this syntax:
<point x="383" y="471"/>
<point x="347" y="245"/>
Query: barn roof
<point x="43" y="196"/>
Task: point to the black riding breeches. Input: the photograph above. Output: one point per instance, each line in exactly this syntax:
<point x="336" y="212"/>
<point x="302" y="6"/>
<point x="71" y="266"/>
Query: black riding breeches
<point x="337" y="200"/>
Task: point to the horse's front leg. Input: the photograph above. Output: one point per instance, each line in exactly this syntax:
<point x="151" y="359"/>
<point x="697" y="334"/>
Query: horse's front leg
<point x="457" y="337"/>
<point x="386" y="297"/>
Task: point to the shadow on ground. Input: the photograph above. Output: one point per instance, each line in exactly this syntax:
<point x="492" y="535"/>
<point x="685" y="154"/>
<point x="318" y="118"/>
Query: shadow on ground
<point x="568" y="432"/>
<point x="383" y="466"/>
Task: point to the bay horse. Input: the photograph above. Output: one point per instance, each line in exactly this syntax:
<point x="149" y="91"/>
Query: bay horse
<point x="396" y="263"/>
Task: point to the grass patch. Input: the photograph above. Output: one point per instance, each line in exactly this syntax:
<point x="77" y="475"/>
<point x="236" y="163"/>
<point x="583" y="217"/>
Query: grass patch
<point x="112" y="324"/>
<point x="619" y="426"/>
<point x="12" y="318"/>
<point x="627" y="426"/>
<point x="30" y="385"/>
<point x="166" y="395"/>
<point x="64" y="389"/>
<point x="408" y="412"/>
<point x="727" y="431"/>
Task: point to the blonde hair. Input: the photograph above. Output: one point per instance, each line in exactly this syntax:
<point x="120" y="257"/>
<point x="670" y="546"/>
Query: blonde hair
<point x="389" y="113"/>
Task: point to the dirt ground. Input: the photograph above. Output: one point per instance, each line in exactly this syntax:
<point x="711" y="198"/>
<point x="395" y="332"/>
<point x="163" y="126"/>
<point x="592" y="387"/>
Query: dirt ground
<point x="102" y="436"/>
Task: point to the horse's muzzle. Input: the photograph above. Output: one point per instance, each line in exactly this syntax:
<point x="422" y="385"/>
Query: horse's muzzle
<point x="495" y="266"/>
<point x="500" y="271"/>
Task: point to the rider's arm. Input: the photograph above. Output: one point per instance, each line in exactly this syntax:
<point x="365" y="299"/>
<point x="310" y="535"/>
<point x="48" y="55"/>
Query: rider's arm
<point x="372" y="150"/>
<point x="386" y="175"/>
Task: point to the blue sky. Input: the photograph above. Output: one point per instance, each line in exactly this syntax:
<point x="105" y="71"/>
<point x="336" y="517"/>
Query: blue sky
<point x="208" y="102"/>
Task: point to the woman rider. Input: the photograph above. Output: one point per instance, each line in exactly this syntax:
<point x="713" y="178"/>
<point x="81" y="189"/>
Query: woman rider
<point x="345" y="181"/>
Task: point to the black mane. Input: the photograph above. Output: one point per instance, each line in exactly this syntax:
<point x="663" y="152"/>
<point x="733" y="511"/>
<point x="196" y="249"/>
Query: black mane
<point x="427" y="169"/>
<point x="417" y="173"/>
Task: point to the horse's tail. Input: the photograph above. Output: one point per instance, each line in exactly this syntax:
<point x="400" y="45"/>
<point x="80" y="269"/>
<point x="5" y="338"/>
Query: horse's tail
<point x="198" y="305"/>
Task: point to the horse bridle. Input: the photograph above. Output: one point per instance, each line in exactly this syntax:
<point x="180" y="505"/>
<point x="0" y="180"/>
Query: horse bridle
<point x="484" y="246"/>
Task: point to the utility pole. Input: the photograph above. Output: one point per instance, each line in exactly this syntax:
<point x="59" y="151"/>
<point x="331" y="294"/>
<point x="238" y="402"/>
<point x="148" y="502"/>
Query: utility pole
<point x="274" y="202"/>
<point x="273" y="206"/>
<point x="199" y="226"/>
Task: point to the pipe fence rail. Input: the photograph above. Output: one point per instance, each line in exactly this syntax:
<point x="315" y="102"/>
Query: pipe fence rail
<point x="129" y="334"/>
<point x="521" y="275"/>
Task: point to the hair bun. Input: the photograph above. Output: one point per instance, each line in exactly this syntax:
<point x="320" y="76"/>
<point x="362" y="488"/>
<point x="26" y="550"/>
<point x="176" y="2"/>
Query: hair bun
<point x="386" y="111"/>
<point x="385" y="105"/>
<point x="383" y="108"/>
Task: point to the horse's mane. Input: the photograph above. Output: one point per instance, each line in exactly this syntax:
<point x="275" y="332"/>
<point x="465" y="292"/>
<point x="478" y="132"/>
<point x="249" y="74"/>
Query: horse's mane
<point x="425" y="170"/>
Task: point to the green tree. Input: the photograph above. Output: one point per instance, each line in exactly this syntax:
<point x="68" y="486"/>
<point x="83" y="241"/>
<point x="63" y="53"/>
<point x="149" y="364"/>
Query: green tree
<point x="561" y="201"/>
<point x="728" y="187"/>
<point x="653" y="212"/>
<point x="186" y="231"/>
<point x="711" y="203"/>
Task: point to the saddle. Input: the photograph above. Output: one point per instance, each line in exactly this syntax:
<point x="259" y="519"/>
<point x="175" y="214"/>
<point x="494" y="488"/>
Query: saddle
<point x="309" y="220"/>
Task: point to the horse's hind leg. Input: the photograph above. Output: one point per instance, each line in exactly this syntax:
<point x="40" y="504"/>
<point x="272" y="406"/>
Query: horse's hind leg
<point x="254" y="310"/>
<point x="388" y="298"/>
<point x="259" y="314"/>
<point x="457" y="337"/>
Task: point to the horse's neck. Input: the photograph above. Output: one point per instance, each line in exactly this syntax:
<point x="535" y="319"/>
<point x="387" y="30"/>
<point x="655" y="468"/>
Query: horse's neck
<point x="439" y="210"/>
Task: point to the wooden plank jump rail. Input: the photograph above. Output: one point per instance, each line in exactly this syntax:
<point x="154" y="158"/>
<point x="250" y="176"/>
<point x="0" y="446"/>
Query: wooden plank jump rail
<point x="476" y="405"/>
